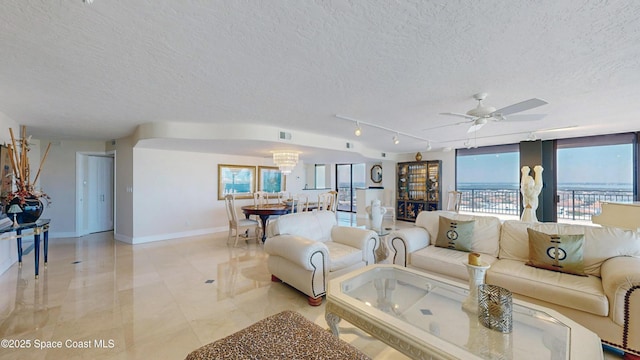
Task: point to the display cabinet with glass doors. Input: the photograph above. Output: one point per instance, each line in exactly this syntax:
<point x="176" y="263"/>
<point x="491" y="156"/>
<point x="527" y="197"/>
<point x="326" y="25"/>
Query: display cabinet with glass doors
<point x="418" y="188"/>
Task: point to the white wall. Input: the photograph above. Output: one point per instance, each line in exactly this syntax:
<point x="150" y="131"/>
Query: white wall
<point x="175" y="194"/>
<point x="123" y="196"/>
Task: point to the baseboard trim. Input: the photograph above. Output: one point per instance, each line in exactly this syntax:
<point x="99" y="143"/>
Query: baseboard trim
<point x="161" y="237"/>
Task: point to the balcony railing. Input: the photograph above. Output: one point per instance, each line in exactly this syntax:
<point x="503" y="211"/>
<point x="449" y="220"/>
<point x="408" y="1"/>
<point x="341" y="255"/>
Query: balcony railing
<point x="491" y="201"/>
<point x="581" y="204"/>
<point x="573" y="204"/>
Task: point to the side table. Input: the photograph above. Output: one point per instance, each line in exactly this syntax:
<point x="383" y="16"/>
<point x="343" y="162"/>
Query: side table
<point x="476" y="278"/>
<point x="41" y="226"/>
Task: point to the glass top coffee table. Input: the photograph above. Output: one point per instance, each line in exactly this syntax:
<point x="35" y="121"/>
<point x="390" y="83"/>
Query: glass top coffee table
<point x="421" y="316"/>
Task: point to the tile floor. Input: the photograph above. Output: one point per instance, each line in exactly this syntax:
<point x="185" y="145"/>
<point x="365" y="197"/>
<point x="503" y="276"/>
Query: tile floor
<point x="149" y="301"/>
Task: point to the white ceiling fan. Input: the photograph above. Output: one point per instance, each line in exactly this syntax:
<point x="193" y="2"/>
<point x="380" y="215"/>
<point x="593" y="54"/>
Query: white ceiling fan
<point x="481" y="114"/>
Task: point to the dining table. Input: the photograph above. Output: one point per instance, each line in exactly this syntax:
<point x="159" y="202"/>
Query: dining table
<point x="264" y="211"/>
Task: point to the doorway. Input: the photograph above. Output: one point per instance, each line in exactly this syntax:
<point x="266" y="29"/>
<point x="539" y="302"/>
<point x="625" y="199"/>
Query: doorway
<point x="95" y="200"/>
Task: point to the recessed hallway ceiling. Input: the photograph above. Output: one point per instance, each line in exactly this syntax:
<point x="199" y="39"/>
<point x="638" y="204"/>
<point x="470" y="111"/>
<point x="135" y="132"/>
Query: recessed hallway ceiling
<point x="95" y="71"/>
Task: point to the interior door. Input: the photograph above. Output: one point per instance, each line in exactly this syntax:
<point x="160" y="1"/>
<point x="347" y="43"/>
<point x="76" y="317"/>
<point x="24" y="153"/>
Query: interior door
<point x="100" y="193"/>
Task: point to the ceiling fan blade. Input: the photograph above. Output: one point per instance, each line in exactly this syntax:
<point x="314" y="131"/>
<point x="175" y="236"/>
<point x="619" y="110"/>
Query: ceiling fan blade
<point x="521" y="106"/>
<point x="556" y="129"/>
<point x="475" y="127"/>
<point x="459" y="115"/>
<point x="446" y="125"/>
<point x="522" y="117"/>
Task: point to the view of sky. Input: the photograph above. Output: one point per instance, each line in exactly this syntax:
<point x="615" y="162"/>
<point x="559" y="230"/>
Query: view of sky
<point x="611" y="164"/>
<point x="489" y="168"/>
<point x="345" y="172"/>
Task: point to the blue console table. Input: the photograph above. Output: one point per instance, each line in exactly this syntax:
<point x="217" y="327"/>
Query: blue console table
<point x="35" y="228"/>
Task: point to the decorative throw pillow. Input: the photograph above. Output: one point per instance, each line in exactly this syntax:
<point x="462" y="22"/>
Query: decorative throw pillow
<point x="455" y="234"/>
<point x="563" y="253"/>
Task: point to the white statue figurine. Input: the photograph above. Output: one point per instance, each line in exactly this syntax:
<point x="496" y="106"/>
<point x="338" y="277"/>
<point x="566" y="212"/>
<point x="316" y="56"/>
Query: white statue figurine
<point x="376" y="213"/>
<point x="530" y="189"/>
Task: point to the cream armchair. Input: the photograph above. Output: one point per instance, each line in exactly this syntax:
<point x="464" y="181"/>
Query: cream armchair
<point x="306" y="249"/>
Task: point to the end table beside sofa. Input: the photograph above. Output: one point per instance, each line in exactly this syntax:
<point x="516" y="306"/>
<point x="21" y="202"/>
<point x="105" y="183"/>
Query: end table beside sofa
<point x="606" y="301"/>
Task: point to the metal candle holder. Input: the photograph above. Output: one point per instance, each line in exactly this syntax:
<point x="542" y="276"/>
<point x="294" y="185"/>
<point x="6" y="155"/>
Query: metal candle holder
<point x="495" y="307"/>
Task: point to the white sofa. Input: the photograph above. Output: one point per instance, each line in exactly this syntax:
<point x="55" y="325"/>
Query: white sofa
<point x="306" y="249"/>
<point x="607" y="301"/>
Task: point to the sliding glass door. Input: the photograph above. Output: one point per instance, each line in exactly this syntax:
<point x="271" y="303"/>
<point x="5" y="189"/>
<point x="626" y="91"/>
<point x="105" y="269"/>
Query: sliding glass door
<point x="349" y="177"/>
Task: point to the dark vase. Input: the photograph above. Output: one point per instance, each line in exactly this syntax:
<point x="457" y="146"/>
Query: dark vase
<point x="31" y="210"/>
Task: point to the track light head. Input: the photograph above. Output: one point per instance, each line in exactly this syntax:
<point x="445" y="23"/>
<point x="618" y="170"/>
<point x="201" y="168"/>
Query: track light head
<point x="428" y="145"/>
<point x="396" y="140"/>
<point x="358" y="131"/>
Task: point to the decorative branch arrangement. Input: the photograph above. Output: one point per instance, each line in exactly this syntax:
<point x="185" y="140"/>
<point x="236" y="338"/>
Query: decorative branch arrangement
<point x="25" y="189"/>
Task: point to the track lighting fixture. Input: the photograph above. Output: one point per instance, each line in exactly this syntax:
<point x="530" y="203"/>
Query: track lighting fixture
<point x="396" y="136"/>
<point x="358" y="131"/>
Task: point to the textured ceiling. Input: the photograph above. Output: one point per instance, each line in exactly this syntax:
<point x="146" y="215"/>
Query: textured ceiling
<point x="96" y="71"/>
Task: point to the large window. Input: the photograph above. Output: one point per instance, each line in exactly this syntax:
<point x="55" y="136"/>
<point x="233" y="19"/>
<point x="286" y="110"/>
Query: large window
<point x="348" y="178"/>
<point x="488" y="178"/>
<point x="587" y="172"/>
<point x="320" y="176"/>
<point x="592" y="170"/>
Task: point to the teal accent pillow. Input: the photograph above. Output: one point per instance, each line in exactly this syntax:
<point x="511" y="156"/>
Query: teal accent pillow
<point x="563" y="253"/>
<point x="455" y="234"/>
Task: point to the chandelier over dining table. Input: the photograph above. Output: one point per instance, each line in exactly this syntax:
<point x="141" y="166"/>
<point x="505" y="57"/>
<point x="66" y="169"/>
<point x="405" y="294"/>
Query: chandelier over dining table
<point x="285" y="160"/>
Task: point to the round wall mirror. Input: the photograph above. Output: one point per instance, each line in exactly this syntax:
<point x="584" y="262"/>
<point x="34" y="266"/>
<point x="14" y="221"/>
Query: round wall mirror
<point x="376" y="174"/>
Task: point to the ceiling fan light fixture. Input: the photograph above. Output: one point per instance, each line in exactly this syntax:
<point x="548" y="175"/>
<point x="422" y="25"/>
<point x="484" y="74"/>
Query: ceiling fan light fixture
<point x="481" y="110"/>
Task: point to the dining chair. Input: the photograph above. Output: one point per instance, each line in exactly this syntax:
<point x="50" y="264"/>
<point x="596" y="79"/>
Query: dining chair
<point x="283" y="196"/>
<point x="328" y="201"/>
<point x="239" y="224"/>
<point x="300" y="203"/>
<point x="260" y="198"/>
<point x="334" y="201"/>
<point x="453" y="202"/>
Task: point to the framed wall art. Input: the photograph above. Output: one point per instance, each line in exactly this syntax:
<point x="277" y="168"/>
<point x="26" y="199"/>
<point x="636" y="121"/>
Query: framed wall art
<point x="270" y="179"/>
<point x="236" y="179"/>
